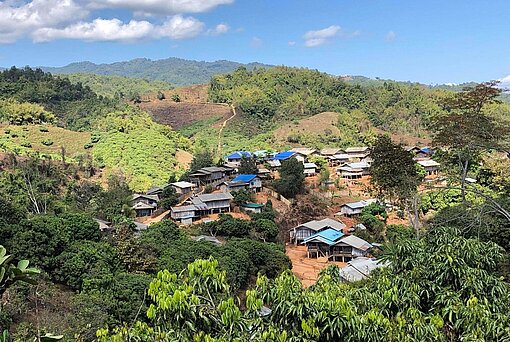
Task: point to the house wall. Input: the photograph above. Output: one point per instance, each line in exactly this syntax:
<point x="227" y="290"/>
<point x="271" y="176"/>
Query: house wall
<point x="182" y="191"/>
<point x="349" y="211"/>
<point x="181" y="214"/>
<point x="301" y="233"/>
<point x="256" y="183"/>
<point x="218" y="204"/>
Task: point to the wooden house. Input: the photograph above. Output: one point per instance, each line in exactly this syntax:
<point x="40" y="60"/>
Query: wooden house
<point x="336" y="246"/>
<point x="430" y="166"/>
<point x="249" y="182"/>
<point x="357" y="153"/>
<point x="236" y="157"/>
<point x="354" y="170"/>
<point x="310" y="169"/>
<point x="184" y="214"/>
<point x="255" y="208"/>
<point x="338" y="159"/>
<point x="284" y="155"/>
<point x="212" y="203"/>
<point x="303" y="153"/>
<point x="354" y="208"/>
<point x="359" y="268"/>
<point x="144" y="205"/>
<point x="328" y="152"/>
<point x="211" y="175"/>
<point x="299" y="233"/>
<point x="183" y="188"/>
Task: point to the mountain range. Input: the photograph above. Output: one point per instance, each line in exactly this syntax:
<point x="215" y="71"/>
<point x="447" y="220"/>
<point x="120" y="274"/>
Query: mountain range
<point x="177" y="71"/>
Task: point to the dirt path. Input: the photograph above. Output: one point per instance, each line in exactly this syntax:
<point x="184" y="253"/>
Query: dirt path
<point x="156" y="219"/>
<point x="220" y="133"/>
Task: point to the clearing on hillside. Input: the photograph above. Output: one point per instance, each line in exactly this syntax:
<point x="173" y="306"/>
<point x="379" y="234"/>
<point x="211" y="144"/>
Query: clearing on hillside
<point x="319" y="124"/>
<point x="193" y="107"/>
<point x="45" y="139"/>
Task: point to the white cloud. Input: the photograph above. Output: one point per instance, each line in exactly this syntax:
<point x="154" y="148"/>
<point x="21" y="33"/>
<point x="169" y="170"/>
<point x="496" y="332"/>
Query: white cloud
<point x="176" y="27"/>
<point x="161" y="7"/>
<point x="45" y="20"/>
<point x="321" y="37"/>
<point x="390" y="36"/>
<point x="256" y="42"/>
<point x="18" y="19"/>
<point x="218" y="30"/>
<point x="291" y="43"/>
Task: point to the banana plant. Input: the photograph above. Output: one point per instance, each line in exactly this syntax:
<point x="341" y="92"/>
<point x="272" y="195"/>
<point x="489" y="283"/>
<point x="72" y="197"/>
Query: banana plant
<point x="11" y="273"/>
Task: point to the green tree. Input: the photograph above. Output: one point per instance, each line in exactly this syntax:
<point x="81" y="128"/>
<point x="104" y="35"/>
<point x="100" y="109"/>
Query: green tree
<point x="242" y="196"/>
<point x="248" y="166"/>
<point x="169" y="197"/>
<point x="292" y="178"/>
<point x="202" y="158"/>
<point x="176" y="98"/>
<point x="394" y="176"/>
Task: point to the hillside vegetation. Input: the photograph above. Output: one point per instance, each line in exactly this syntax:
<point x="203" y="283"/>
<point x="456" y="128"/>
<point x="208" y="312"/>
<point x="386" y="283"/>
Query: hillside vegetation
<point x="118" y="86"/>
<point x="114" y="135"/>
<point x="269" y="97"/>
<point x="175" y="71"/>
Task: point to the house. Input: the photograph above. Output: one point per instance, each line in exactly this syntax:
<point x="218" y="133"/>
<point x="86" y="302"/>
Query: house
<point x="274" y="164"/>
<point x="430" y="166"/>
<point x="302" y="153"/>
<point x="184" y="214"/>
<point x="255" y="208"/>
<point x="354" y="170"/>
<point x="235" y="158"/>
<point x="299" y="233"/>
<point x="207" y="238"/>
<point x="212" y="203"/>
<point x="354" y="208"/>
<point x="158" y="190"/>
<point x="211" y="175"/>
<point x="348" y="248"/>
<point x="413" y="149"/>
<point x="263" y="173"/>
<point x="284" y="155"/>
<point x="338" y="159"/>
<point x="359" y="268"/>
<point x="319" y="244"/>
<point x="328" y="152"/>
<point x="249" y="182"/>
<point x="424" y="152"/>
<point x="144" y="205"/>
<point x="310" y="169"/>
<point x="336" y="246"/>
<point x="183" y="188"/>
<point x="357" y="153"/>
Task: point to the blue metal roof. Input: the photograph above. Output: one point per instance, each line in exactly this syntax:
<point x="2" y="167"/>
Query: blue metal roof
<point x="239" y="155"/>
<point x="328" y="236"/>
<point x="284" y="155"/>
<point x="426" y="150"/>
<point x="358" y="165"/>
<point x="244" y="178"/>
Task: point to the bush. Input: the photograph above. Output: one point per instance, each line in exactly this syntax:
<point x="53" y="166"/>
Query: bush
<point x="26" y="144"/>
<point x="47" y="142"/>
<point x="43" y="129"/>
<point x="88" y="146"/>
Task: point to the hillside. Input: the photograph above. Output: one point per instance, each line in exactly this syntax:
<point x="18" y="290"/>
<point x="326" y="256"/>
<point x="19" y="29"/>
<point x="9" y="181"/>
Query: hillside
<point x="176" y="71"/>
<point x="118" y="86"/>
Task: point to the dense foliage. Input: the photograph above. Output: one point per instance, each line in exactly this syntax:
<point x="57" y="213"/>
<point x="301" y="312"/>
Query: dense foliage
<point x="117" y="86"/>
<point x="172" y="70"/>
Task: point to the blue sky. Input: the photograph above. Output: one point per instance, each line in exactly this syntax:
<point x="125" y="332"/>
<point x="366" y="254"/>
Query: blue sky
<point x="428" y="41"/>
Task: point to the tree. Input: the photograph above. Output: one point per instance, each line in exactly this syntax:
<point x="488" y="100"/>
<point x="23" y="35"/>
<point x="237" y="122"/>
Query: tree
<point x="248" y="166"/>
<point x="169" y="197"/>
<point x="394" y="176"/>
<point x="266" y="229"/>
<point x="161" y="96"/>
<point x="176" y="98"/>
<point x="202" y="158"/>
<point x="292" y="178"/>
<point x="465" y="129"/>
<point x="11" y="273"/>
<point x="242" y="196"/>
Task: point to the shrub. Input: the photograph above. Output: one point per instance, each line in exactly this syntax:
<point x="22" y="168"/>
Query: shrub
<point x="47" y="142"/>
<point x="43" y="129"/>
<point x="88" y="146"/>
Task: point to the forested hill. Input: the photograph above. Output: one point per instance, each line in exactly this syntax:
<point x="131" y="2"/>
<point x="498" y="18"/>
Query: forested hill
<point x="176" y="71"/>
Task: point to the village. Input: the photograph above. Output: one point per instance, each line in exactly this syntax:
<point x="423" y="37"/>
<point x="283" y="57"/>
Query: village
<point x="311" y="245"/>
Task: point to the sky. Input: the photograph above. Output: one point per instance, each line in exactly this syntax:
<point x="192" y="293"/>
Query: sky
<point x="432" y="41"/>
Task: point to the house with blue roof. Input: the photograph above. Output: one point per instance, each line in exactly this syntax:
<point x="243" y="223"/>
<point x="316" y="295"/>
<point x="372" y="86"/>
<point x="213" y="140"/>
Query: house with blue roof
<point x="303" y="231"/>
<point x="336" y="246"/>
<point x="235" y="158"/>
<point x="355" y="208"/>
<point x="284" y="155"/>
<point x="241" y="182"/>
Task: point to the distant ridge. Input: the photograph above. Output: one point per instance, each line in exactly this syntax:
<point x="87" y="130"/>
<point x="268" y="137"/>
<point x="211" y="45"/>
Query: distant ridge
<point x="177" y="71"/>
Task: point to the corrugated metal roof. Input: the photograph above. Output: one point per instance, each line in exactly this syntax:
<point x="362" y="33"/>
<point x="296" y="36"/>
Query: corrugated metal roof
<point x="246" y="178"/>
<point x="359" y="268"/>
<point x="239" y="155"/>
<point x="321" y="224"/>
<point x="183" y="185"/>
<point x="284" y="155"/>
<point x="183" y="208"/>
<point x="356" y="149"/>
<point x="355" y="242"/>
<point x="428" y="163"/>
<point x="330" y="151"/>
<point x="328" y="236"/>
<point x="309" y="166"/>
<point x="360" y="204"/>
<point x="219" y="196"/>
<point x="360" y="165"/>
<point x="303" y="150"/>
